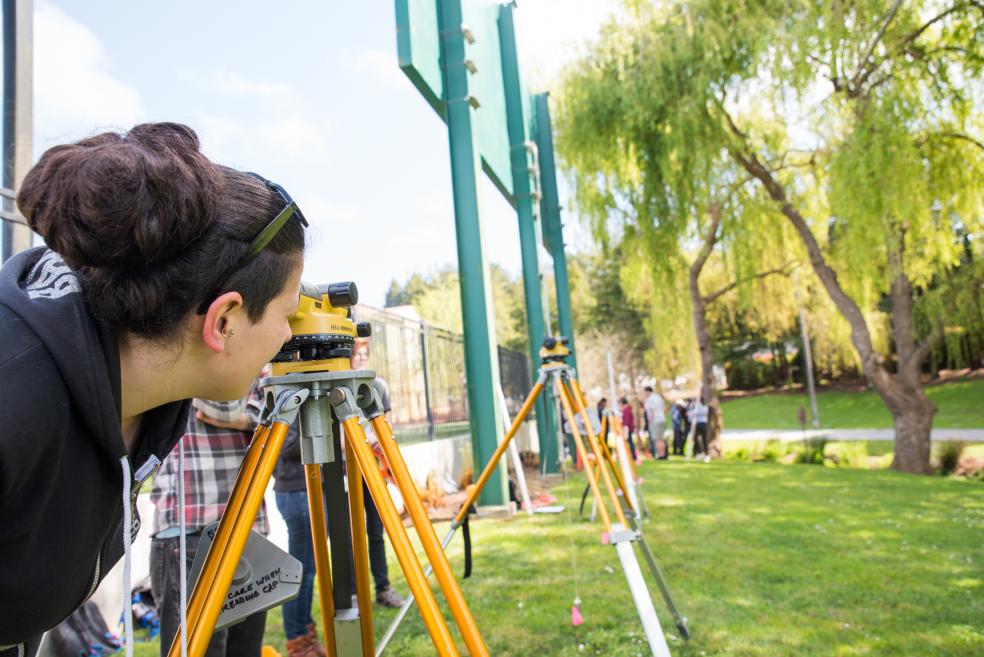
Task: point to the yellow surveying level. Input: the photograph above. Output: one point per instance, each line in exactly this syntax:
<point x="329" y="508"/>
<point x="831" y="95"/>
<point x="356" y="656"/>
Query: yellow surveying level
<point x="312" y="381"/>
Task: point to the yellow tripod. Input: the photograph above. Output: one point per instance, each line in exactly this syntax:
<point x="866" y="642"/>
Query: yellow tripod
<point x="622" y="533"/>
<point x="312" y="380"/>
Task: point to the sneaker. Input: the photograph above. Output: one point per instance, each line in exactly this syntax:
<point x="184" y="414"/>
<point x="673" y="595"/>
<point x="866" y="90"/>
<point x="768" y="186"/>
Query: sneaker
<point x="707" y="459"/>
<point x="389" y="598"/>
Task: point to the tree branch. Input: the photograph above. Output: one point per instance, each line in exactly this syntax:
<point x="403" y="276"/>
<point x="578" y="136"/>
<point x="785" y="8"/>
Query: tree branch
<point x="785" y="270"/>
<point x="854" y="88"/>
<point x="871" y="360"/>
<point x="960" y="135"/>
<point x="709" y="241"/>
<point x="864" y="71"/>
<point x="906" y="42"/>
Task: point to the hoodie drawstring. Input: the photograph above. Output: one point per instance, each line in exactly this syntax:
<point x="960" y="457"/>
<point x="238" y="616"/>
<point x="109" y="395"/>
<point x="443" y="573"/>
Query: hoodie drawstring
<point x="127" y="539"/>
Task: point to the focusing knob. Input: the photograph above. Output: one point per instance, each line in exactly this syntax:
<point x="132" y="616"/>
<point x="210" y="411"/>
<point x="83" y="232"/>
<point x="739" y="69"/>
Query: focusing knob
<point x="341" y="295"/>
<point x="549" y="342"/>
<point x="363" y="329"/>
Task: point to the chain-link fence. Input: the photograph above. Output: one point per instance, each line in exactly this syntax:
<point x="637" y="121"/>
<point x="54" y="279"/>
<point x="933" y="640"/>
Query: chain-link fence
<point x="424" y="367"/>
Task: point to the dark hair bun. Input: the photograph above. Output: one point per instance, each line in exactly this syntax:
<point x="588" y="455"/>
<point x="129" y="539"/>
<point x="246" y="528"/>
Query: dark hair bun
<point x="123" y="201"/>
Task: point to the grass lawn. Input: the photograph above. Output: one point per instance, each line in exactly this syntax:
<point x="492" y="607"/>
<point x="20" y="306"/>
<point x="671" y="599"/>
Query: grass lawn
<point x="959" y="406"/>
<point x="765" y="560"/>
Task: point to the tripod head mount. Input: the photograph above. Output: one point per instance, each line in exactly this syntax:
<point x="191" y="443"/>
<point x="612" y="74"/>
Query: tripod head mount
<point x="324" y="333"/>
<point x="554" y="351"/>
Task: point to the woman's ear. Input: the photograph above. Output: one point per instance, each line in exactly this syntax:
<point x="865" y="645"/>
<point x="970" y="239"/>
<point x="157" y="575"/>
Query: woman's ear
<point x="220" y="320"/>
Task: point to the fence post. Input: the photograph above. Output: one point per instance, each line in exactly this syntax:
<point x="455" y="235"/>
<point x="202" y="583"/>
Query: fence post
<point x="427" y="398"/>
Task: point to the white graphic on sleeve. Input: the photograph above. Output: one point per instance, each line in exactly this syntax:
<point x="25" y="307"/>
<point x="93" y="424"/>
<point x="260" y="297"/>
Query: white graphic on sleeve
<point x="51" y="278"/>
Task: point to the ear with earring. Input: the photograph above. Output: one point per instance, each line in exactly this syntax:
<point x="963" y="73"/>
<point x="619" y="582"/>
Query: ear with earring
<point x="229" y="334"/>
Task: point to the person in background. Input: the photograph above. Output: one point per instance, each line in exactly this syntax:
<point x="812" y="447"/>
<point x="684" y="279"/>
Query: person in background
<point x="290" y="493"/>
<point x="699" y="413"/>
<point x="385" y="595"/>
<point x="656" y="416"/>
<point x="290" y="489"/>
<point x="678" y="417"/>
<point x="644" y="424"/>
<point x="628" y="423"/>
<point x="214" y="447"/>
<point x="602" y="409"/>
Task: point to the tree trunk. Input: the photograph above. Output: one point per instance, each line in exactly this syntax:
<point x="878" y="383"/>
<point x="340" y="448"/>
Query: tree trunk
<point x="912" y="411"/>
<point x="708" y="385"/>
<point x="902" y="392"/>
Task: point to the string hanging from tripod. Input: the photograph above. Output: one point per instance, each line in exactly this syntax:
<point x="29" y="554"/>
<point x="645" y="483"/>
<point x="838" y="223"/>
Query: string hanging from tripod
<point x="576" y="618"/>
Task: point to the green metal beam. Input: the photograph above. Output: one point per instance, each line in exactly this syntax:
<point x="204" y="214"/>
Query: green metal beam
<point x="481" y="353"/>
<point x="553" y="233"/>
<point x="522" y="155"/>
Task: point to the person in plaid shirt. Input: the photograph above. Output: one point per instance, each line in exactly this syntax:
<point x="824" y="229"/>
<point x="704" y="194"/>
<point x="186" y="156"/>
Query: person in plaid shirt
<point x="213" y="448"/>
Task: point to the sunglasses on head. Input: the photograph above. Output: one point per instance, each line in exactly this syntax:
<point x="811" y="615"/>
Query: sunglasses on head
<point x="259" y="242"/>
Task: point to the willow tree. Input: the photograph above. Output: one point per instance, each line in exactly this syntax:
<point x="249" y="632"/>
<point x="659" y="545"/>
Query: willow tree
<point x="860" y="120"/>
<point x="671" y="219"/>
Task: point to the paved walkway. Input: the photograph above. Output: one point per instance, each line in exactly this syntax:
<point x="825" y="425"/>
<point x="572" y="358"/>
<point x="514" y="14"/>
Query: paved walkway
<point x="974" y="435"/>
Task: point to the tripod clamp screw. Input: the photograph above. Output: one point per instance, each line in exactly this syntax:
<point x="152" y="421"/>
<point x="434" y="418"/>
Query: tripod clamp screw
<point x="343" y="401"/>
<point x="287" y="405"/>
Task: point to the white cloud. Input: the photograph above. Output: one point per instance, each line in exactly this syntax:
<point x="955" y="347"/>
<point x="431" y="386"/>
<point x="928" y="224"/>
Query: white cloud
<point x="273" y="125"/>
<point x="382" y="66"/>
<point x="292" y="133"/>
<point x="75" y="93"/>
<point x="240" y="142"/>
<point x="234" y="84"/>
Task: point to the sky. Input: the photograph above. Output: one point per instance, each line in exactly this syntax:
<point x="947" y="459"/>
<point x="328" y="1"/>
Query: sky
<point x="310" y="96"/>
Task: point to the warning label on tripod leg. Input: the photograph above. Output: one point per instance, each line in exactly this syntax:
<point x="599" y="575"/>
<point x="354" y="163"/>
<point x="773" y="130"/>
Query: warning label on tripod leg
<point x="265" y="577"/>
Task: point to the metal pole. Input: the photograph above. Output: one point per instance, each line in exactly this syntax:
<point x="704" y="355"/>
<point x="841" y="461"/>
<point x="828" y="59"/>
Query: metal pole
<point x="808" y="358"/>
<point x="524" y="174"/>
<point x="514" y="454"/>
<point x="553" y="235"/>
<point x="18" y="110"/>
<point x="640" y="593"/>
<point x="481" y="361"/>
<point x="427" y="398"/>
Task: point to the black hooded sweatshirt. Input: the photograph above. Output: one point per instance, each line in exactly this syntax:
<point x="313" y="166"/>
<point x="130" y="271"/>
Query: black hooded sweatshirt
<point x="61" y="448"/>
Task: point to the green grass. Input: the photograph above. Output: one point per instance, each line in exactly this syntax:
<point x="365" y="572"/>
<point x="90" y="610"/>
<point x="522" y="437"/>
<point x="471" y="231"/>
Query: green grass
<point x="959" y="406"/>
<point x="765" y="560"/>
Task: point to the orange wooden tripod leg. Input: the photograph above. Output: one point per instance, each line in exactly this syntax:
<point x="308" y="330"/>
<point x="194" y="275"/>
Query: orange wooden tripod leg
<point x="499" y="451"/>
<point x="425" y="532"/>
<point x="226" y="523"/>
<point x="583" y="454"/>
<point x="610" y="460"/>
<point x="620" y="438"/>
<point x="198" y="639"/>
<point x="322" y="564"/>
<point x="596" y="448"/>
<point x="414" y="574"/>
<point x="360" y="550"/>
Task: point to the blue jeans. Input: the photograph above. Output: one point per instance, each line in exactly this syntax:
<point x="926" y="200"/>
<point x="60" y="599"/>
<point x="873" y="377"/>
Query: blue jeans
<point x="293" y="507"/>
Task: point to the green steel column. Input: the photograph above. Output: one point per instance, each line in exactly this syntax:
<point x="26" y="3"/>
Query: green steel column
<point x="529" y="224"/>
<point x="481" y="353"/>
<point x="550" y="211"/>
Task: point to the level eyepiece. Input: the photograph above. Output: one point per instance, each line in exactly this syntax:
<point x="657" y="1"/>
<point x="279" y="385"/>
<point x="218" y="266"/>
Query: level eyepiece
<point x="341" y="295"/>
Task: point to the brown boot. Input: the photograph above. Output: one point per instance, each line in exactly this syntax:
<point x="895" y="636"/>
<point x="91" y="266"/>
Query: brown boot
<point x="301" y="646"/>
<point x="315" y="641"/>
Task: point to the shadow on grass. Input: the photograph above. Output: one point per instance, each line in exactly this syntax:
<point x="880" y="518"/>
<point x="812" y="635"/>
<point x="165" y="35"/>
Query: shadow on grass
<point x="764" y="559"/>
